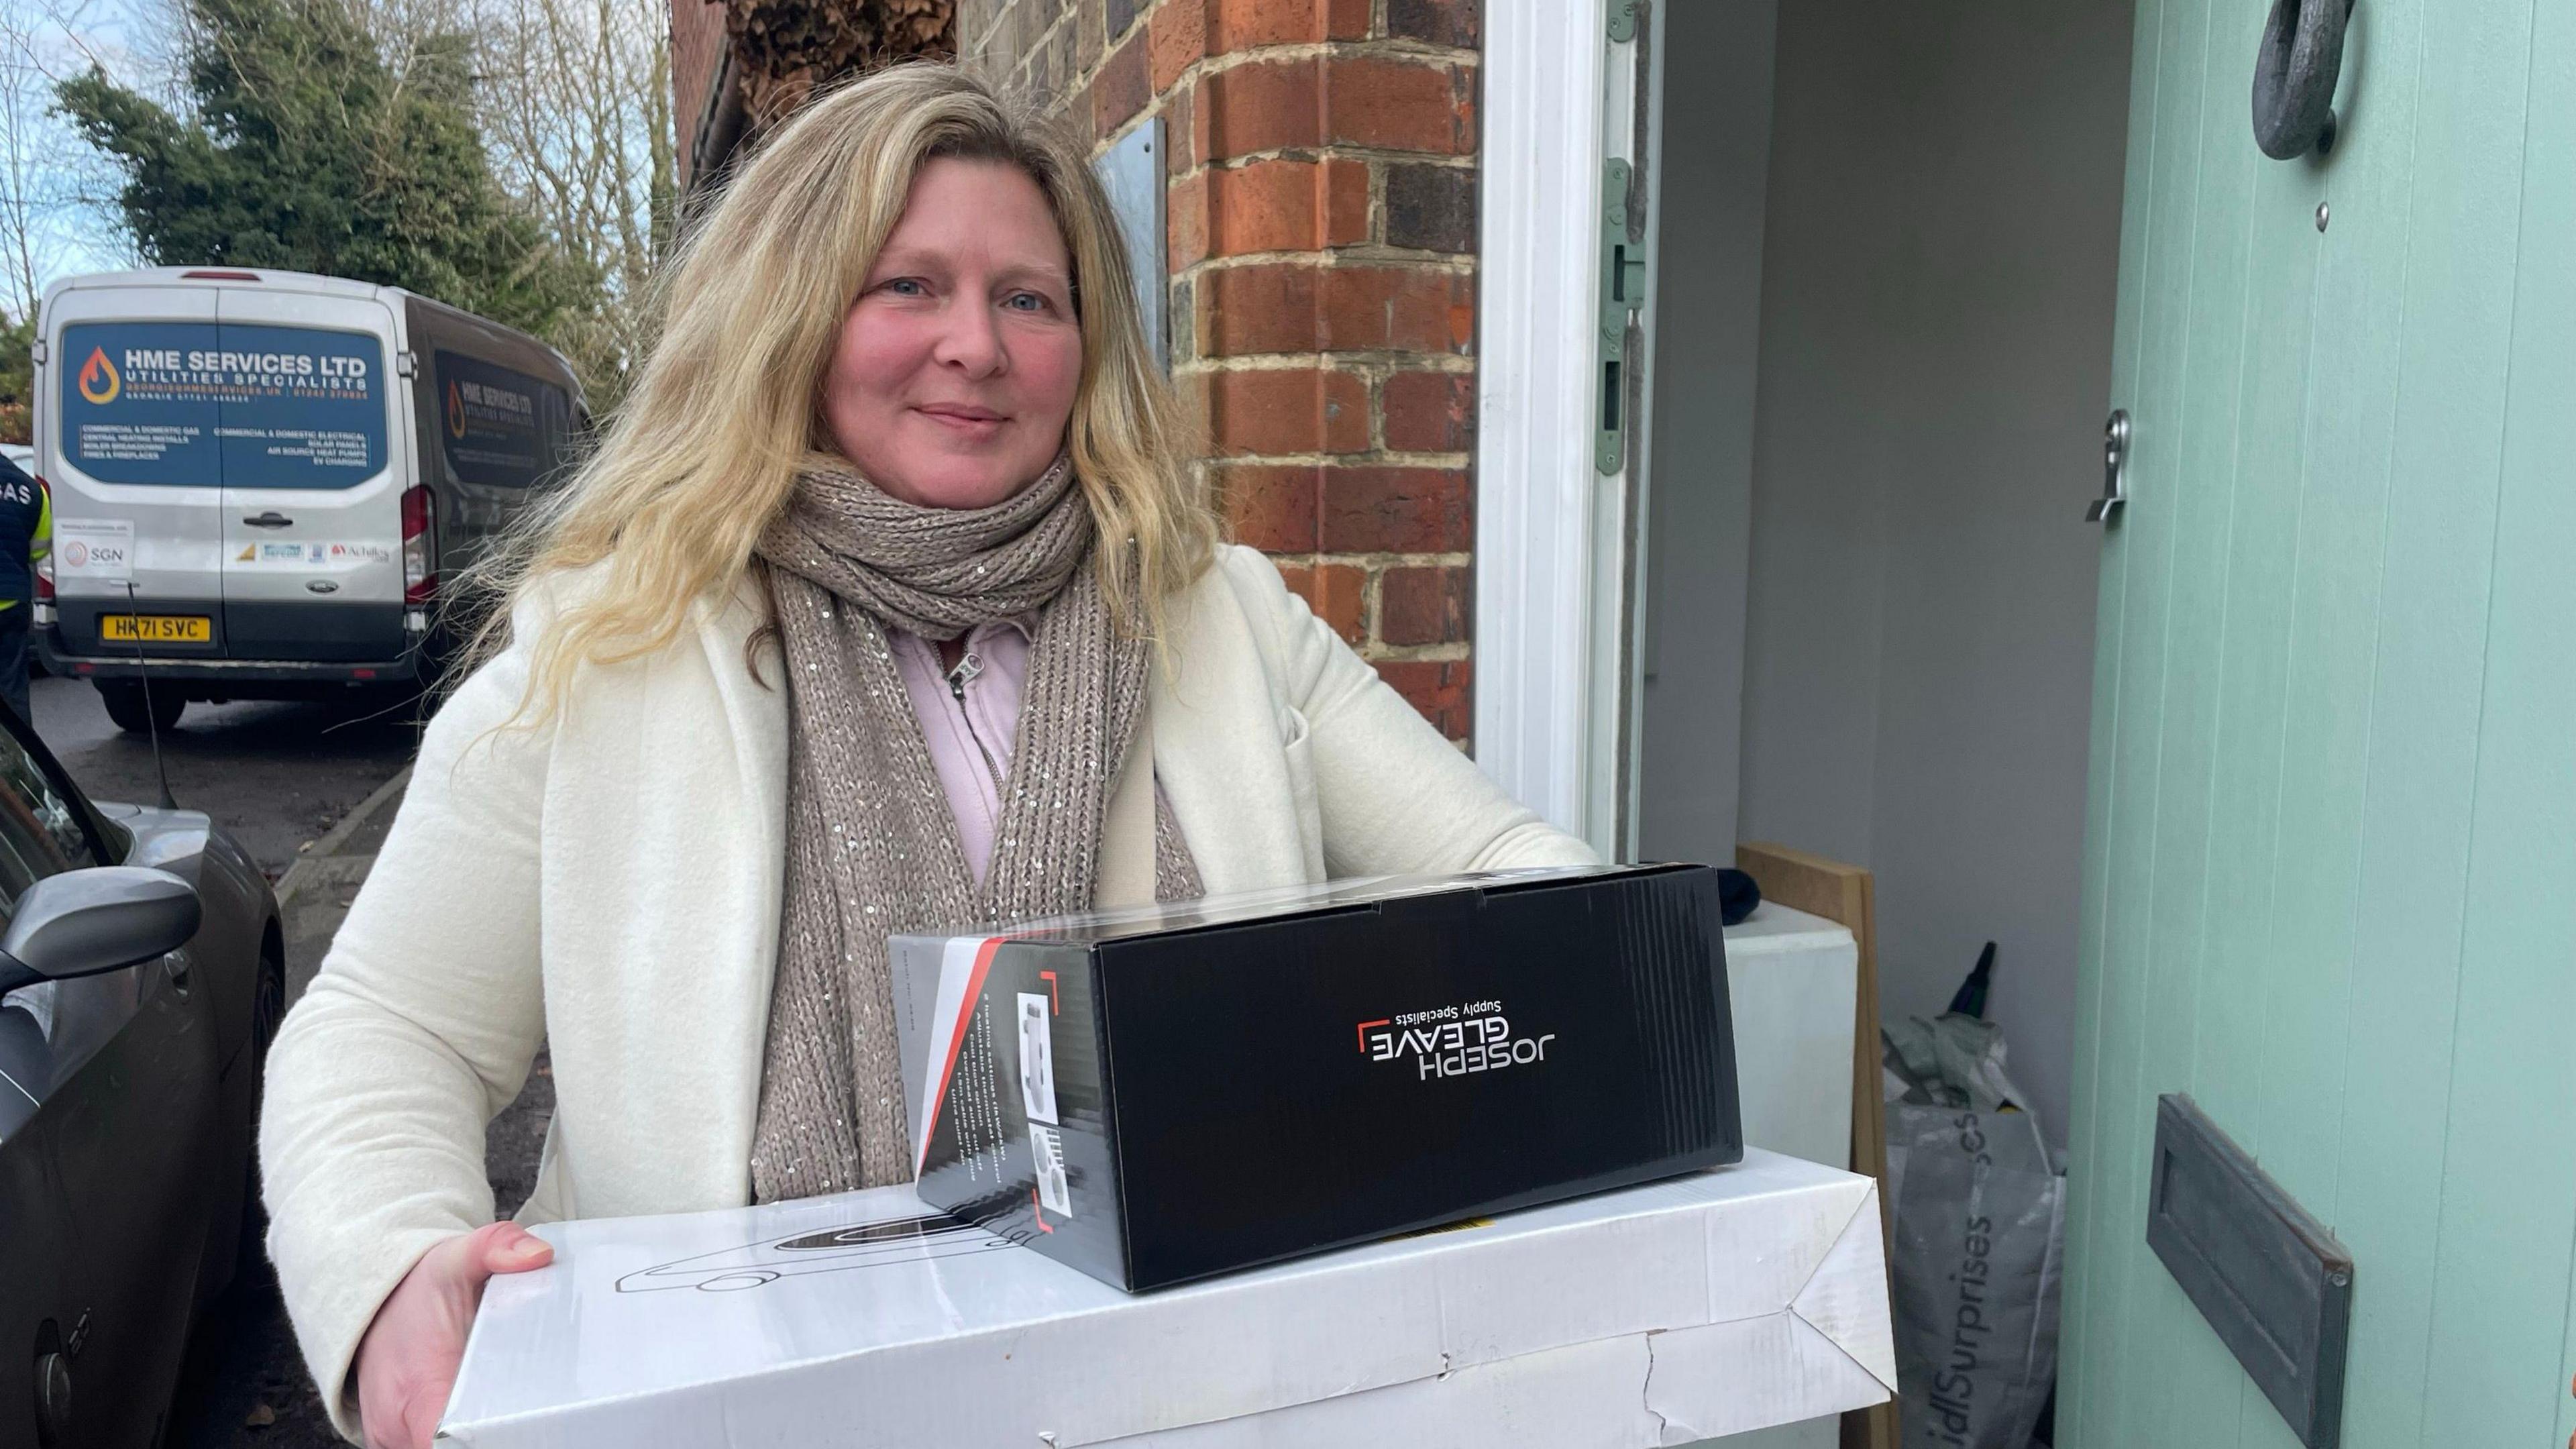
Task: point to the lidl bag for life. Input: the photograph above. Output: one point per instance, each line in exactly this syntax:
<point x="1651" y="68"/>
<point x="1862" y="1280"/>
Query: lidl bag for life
<point x="1979" y="1239"/>
<point x="1158" y="1094"/>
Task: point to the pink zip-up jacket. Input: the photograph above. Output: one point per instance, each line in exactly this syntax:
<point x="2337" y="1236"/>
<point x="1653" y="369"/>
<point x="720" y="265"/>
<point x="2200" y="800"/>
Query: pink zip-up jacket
<point x="970" y="718"/>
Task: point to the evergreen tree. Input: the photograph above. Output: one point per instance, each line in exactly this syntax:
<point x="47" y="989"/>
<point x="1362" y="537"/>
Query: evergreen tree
<point x="17" y="378"/>
<point x="316" y="146"/>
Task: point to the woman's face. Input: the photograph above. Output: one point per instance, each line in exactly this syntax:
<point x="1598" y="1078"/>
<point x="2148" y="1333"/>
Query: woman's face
<point x="956" y="367"/>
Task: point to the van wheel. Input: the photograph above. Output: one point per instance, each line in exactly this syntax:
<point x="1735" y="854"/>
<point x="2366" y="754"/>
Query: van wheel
<point x="126" y="705"/>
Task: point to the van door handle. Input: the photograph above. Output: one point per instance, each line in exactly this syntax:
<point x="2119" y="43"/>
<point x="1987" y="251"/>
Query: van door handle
<point x="270" y="519"/>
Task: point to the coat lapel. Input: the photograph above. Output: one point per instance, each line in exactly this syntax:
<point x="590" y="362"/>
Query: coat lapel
<point x="756" y="718"/>
<point x="1125" y="875"/>
<point x="667" y="835"/>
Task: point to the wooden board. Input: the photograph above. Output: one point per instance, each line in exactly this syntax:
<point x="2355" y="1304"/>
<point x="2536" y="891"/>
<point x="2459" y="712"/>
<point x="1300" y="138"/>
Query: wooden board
<point x="1840" y="893"/>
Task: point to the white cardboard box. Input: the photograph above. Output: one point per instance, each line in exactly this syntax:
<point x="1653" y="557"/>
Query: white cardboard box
<point x="1792" y="978"/>
<point x="1703" y="1305"/>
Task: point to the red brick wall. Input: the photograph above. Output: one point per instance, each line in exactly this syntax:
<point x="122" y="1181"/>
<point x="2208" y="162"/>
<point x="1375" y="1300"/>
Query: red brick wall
<point x="1321" y="211"/>
<point x="697" y="53"/>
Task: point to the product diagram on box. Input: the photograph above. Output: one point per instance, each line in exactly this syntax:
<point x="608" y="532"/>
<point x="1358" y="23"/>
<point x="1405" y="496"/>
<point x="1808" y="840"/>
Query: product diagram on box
<point x="914" y="1237"/>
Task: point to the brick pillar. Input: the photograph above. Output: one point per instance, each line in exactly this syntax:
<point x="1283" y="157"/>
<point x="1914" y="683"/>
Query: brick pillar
<point x="1321" y="210"/>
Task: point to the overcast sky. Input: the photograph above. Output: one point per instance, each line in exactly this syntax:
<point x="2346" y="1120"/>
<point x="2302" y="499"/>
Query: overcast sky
<point x="50" y="180"/>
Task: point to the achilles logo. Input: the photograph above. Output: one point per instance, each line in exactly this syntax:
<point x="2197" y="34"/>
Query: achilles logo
<point x="1447" y="1043"/>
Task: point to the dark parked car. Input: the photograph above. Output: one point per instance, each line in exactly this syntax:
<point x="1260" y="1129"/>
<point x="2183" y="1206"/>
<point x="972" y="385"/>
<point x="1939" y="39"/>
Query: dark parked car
<point x="142" y="976"/>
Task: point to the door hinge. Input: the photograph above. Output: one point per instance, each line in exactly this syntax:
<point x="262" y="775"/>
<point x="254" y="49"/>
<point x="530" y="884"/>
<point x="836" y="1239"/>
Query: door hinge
<point x="405" y="363"/>
<point x="38" y="351"/>
<point x="1623" y="21"/>
<point x="1623" y="292"/>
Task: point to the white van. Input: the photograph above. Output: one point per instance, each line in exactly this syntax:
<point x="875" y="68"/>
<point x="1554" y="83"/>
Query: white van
<point x="260" y="478"/>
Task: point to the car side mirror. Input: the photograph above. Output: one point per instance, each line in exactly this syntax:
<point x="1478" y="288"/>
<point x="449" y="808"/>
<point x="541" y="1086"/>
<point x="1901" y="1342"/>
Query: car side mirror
<point x="83" y="922"/>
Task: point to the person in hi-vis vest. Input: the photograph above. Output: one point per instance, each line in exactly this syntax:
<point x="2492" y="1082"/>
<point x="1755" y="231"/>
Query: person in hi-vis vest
<point x="26" y="536"/>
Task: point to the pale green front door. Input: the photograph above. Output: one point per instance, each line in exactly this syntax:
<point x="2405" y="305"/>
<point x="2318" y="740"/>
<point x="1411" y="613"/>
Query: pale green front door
<point x="2330" y="855"/>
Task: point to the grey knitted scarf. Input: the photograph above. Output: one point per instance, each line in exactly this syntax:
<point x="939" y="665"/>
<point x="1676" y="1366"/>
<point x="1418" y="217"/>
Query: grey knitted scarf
<point x="872" y="846"/>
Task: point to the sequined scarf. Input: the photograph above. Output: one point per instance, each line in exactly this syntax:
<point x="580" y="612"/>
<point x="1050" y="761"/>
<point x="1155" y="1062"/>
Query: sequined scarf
<point x="872" y="846"/>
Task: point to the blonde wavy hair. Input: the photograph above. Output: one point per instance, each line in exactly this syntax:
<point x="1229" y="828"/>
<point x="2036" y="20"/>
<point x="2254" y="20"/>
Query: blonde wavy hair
<point x="724" y="413"/>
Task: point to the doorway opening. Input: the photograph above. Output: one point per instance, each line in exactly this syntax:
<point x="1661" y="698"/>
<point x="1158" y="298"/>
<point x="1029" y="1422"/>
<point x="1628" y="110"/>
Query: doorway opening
<point x="1888" y="242"/>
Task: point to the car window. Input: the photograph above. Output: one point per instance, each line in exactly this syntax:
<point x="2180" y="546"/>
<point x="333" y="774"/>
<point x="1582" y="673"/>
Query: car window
<point x="39" y="833"/>
<point x="39" y="836"/>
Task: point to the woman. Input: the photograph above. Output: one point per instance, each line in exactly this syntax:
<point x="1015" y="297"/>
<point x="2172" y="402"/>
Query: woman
<point x="887" y="603"/>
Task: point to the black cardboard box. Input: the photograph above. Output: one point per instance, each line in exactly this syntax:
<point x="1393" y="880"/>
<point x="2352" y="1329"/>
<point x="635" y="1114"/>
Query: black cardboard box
<point x="1159" y="1094"/>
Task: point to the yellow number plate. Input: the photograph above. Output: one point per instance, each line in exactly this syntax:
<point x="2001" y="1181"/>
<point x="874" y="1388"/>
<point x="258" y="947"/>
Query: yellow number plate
<point x="156" y="629"/>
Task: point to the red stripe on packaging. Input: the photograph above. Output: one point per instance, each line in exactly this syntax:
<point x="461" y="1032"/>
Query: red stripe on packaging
<point x="956" y="1040"/>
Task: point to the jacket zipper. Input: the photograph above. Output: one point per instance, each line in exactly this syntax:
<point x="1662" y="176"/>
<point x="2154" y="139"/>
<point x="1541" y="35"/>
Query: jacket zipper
<point x="958" y="678"/>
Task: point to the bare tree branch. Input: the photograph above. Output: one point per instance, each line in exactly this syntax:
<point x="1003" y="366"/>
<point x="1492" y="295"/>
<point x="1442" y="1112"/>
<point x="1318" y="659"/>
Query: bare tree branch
<point x="577" y="96"/>
<point x="57" y="196"/>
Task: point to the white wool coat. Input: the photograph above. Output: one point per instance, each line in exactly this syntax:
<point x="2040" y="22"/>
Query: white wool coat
<point x="609" y="885"/>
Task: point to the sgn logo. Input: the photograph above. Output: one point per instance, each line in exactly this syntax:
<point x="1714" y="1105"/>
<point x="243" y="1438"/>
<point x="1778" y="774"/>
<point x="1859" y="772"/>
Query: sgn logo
<point x="98" y="378"/>
<point x="455" y="413"/>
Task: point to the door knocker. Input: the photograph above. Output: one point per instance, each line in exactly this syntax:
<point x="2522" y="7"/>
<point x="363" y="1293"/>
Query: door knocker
<point x="2295" y="74"/>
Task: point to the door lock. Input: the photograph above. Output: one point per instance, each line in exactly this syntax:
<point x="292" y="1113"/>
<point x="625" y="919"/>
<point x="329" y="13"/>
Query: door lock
<point x="2115" y="468"/>
<point x="1623" y="296"/>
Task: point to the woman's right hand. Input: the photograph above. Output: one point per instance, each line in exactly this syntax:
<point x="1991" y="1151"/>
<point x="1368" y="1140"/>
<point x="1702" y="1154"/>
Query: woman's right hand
<point x="408" y="1360"/>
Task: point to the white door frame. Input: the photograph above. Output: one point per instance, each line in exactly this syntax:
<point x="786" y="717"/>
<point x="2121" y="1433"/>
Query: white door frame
<point x="1548" y="545"/>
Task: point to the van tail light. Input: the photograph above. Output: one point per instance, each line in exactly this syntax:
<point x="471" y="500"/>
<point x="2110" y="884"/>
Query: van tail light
<point x="420" y="546"/>
<point x="45" y="565"/>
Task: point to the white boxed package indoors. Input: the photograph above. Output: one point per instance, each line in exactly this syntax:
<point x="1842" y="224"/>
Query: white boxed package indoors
<point x="1713" y="1303"/>
<point x="1792" y="978"/>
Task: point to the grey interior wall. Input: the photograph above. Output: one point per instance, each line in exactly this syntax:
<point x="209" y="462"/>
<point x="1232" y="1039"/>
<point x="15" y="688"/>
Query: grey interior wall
<point x="1940" y="247"/>
<point x="1716" y="157"/>
<point x="1985" y="696"/>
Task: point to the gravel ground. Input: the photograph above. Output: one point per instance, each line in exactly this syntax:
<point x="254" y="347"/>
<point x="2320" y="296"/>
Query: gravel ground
<point x="274" y="775"/>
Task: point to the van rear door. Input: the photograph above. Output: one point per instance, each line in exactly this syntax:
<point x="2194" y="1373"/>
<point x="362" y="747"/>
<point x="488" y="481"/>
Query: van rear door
<point x="136" y="466"/>
<point x="314" y="470"/>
